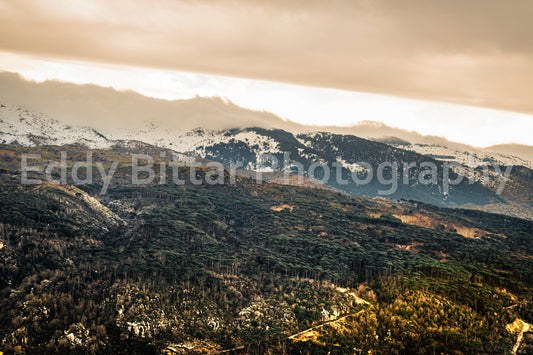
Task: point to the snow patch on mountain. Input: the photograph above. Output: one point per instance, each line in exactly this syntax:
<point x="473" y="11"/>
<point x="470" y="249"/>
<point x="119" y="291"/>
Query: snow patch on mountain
<point x="197" y="140"/>
<point x="472" y="158"/>
<point x="19" y="125"/>
<point x="353" y="167"/>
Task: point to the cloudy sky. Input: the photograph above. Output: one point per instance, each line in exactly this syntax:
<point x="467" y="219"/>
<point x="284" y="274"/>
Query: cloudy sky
<point x="467" y="52"/>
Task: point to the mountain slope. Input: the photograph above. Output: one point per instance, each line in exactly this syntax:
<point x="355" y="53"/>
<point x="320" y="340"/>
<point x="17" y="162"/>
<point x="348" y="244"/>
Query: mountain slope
<point x="347" y="154"/>
<point x="518" y="150"/>
<point x="465" y="155"/>
<point x="21" y="126"/>
<point x="207" y="268"/>
<point x="344" y="156"/>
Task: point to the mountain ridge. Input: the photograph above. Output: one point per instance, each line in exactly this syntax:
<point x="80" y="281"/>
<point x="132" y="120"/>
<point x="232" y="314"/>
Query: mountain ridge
<point x="21" y="126"/>
<point x="108" y="111"/>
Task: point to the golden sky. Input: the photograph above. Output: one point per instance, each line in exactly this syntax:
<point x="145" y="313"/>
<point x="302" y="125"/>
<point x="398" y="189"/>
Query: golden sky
<point x="474" y="52"/>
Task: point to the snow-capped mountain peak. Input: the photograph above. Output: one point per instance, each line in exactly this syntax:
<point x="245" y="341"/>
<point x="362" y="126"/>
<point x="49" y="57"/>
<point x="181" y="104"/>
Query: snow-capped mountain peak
<point x="21" y="126"/>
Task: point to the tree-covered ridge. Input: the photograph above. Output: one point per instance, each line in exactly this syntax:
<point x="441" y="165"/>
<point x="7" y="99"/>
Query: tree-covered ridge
<point x="245" y="267"/>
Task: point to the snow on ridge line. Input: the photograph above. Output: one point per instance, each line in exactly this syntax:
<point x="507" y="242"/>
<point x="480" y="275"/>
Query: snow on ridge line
<point x="19" y="125"/>
<point x="473" y="159"/>
<point x="30" y="129"/>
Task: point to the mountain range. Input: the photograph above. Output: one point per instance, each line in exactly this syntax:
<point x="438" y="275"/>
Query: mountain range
<point x="217" y="130"/>
<point x="129" y="115"/>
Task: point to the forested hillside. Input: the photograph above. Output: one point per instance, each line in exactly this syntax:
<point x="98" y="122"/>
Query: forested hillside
<point x="248" y="268"/>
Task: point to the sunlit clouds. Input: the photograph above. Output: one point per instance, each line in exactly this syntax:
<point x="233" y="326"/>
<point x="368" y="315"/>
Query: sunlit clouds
<point x="473" y="52"/>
